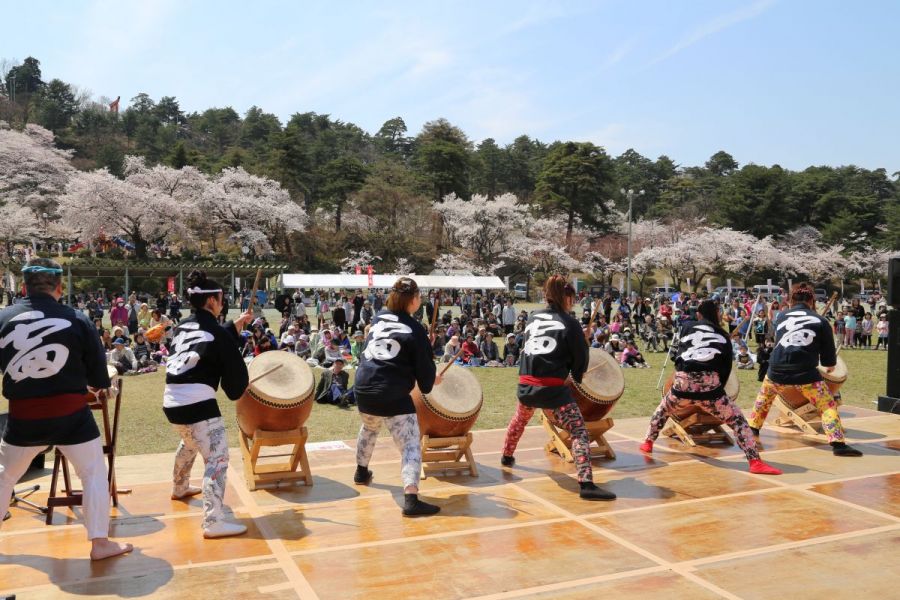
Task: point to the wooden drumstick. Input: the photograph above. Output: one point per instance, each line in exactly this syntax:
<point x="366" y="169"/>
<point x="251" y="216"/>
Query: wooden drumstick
<point x="590" y="330"/>
<point x="829" y="303"/>
<point x="450" y="364"/>
<point x="264" y="373"/>
<point x="434" y="314"/>
<point x="255" y="288"/>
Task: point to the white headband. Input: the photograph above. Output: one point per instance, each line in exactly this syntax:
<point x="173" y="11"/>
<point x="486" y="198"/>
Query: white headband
<point x="196" y="290"/>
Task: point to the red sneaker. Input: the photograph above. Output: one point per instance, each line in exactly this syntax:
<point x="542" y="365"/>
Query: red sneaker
<point x="760" y="468"/>
<point x="647" y="446"/>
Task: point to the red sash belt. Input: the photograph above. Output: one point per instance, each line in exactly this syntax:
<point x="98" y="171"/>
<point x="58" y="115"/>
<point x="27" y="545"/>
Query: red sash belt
<point x="541" y="381"/>
<point x="47" y="407"/>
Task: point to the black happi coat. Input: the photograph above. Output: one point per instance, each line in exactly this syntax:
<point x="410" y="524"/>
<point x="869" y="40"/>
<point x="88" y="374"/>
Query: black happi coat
<point x="553" y="346"/>
<point x="48" y="349"/>
<point x="704" y="347"/>
<point x="398" y="356"/>
<point x="803" y="339"/>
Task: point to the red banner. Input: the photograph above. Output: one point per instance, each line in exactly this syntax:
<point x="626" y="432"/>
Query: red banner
<point x="171" y="285"/>
<point x="371" y="272"/>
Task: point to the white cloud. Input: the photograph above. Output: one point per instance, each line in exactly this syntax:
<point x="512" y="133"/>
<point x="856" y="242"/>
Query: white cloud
<point x="720" y="23"/>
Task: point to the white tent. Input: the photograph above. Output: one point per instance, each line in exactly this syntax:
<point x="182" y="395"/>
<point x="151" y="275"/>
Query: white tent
<point x="346" y="281"/>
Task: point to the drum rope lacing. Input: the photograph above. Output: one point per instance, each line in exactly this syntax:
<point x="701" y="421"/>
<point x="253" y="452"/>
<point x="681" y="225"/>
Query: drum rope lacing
<point x="271" y="404"/>
<point x="436" y="410"/>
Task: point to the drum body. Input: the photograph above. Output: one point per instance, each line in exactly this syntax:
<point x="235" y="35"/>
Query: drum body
<point x="451" y="408"/>
<point x="600" y="388"/>
<point x="834" y="380"/>
<point x="687" y="408"/>
<point x="280" y="401"/>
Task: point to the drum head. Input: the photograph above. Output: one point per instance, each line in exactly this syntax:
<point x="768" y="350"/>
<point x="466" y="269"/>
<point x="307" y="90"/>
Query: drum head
<point x="459" y="395"/>
<point x="292" y="381"/>
<point x="606" y="381"/>
<point x="732" y="386"/>
<point x="839" y="375"/>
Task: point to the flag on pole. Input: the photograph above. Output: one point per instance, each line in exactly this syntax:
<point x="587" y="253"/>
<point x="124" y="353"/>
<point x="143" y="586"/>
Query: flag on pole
<point x="370" y="271"/>
<point x="709" y="285"/>
<point x="358" y="270"/>
<point x="728" y="281"/>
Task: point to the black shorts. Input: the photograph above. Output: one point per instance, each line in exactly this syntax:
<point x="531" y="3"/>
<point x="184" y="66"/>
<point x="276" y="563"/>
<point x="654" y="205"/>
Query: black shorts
<point x="77" y="428"/>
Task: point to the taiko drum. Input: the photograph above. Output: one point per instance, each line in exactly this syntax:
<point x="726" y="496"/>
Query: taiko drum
<point x="279" y="401"/>
<point x="601" y="387"/>
<point x="451" y="408"/>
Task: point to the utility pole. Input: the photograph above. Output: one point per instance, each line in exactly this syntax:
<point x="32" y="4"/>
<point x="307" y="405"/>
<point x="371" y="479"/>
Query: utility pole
<point x="630" y="195"/>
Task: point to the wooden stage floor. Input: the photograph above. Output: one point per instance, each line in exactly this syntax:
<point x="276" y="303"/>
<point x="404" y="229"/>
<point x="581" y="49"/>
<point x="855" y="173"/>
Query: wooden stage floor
<point x="687" y="524"/>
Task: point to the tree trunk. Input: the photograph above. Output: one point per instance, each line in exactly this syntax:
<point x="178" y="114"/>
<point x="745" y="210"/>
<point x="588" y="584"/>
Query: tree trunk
<point x="569" y="226"/>
<point x="337" y="216"/>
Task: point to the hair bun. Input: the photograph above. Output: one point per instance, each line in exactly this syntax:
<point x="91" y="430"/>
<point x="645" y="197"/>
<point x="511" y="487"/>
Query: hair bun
<point x="196" y="278"/>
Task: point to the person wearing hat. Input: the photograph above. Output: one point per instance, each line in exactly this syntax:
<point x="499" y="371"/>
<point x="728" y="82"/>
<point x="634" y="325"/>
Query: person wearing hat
<point x="122" y="357"/>
<point x="204" y="355"/>
<point x="511" y="351"/>
<point x="333" y="386"/>
<point x="615" y="346"/>
<point x="118" y="315"/>
<point x="397" y="357"/>
<point x="51" y="360"/>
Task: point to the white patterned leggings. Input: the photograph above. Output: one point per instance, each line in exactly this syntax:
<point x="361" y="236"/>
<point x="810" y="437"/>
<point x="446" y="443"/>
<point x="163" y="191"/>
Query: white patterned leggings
<point x="405" y="430"/>
<point x="209" y="439"/>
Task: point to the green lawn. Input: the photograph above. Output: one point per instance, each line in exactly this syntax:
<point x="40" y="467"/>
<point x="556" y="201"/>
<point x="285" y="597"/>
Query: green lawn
<point x="144" y="429"/>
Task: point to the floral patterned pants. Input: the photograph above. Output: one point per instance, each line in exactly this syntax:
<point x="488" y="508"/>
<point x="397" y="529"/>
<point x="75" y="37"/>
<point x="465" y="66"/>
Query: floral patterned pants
<point x="569" y="418"/>
<point x="816" y="393"/>
<point x="209" y="439"/>
<point x="405" y="431"/>
<point x="722" y="408"/>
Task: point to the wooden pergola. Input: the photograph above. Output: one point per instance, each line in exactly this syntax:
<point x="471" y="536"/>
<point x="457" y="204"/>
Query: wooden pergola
<point x="106" y="267"/>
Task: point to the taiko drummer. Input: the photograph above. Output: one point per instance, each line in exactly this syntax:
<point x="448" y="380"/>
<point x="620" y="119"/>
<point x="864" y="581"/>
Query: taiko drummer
<point x="553" y="350"/>
<point x="397" y="356"/>
<point x="202" y="355"/>
<point x="702" y="367"/>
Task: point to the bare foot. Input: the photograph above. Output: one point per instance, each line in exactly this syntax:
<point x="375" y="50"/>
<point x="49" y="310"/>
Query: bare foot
<point x="191" y="491"/>
<point x="104" y="548"/>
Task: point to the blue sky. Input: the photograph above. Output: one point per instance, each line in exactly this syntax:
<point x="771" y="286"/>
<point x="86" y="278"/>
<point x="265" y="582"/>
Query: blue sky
<point x="793" y="82"/>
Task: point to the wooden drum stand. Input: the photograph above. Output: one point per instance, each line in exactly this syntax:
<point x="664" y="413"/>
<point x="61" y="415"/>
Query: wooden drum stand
<point x="561" y="442"/>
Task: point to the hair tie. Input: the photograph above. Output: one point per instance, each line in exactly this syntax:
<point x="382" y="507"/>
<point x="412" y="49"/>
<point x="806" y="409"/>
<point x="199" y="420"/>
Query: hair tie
<point x="42" y="269"/>
<point x="197" y="290"/>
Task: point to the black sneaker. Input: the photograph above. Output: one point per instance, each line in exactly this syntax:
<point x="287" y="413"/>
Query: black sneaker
<point x="413" y="507"/>
<point x="842" y="449"/>
<point x="589" y="491"/>
<point x="362" y="476"/>
<point x="507" y="461"/>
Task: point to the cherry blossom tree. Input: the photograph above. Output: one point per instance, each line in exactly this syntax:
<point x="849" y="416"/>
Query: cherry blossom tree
<point x="358" y="258"/>
<point x="403" y="266"/>
<point x="482" y="226"/>
<point x="17" y="225"/>
<point x="33" y="173"/>
<point x="97" y="202"/>
<point x="449" y="263"/>
<point x="256" y="211"/>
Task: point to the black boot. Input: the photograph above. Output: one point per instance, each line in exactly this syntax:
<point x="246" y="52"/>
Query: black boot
<point x="413" y="507"/>
<point x="507" y="461"/>
<point x="362" y="476"/>
<point x="589" y="491"/>
<point x="842" y="449"/>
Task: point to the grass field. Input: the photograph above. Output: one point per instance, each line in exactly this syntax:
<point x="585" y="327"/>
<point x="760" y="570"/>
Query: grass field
<point x="144" y="429"/>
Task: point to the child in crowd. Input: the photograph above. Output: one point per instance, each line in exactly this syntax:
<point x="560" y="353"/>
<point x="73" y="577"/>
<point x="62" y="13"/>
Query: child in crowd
<point x="762" y="358"/>
<point x="882" y="329"/>
<point x="632" y="357"/>
<point x="743" y="358"/>
<point x="849" y="329"/>
<point x="866" y="327"/>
